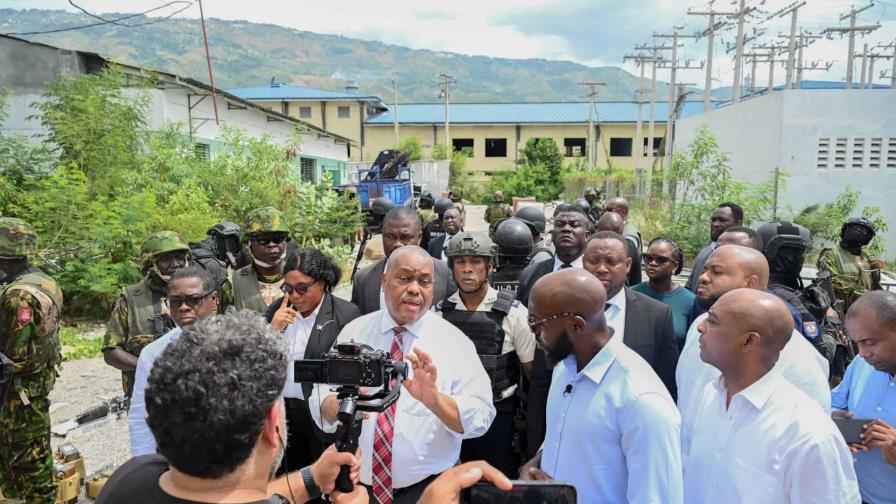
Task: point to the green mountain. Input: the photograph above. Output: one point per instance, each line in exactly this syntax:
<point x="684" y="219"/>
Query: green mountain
<point x="249" y="54"/>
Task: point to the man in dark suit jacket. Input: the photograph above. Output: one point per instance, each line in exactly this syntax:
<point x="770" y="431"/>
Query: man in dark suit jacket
<point x="401" y="227"/>
<point x="451" y="224"/>
<point x="308" y="280"/>
<point x="645" y="325"/>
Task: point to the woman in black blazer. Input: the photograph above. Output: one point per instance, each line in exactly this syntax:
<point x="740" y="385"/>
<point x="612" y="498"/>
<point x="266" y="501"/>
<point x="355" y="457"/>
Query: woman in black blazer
<point x="310" y="317"/>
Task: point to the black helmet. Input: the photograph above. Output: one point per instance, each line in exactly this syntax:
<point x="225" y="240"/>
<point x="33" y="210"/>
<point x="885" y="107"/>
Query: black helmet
<point x="583" y="204"/>
<point x="779" y="234"/>
<point x="426" y="200"/>
<point x="225" y="228"/>
<point x="533" y="217"/>
<point x="442" y="205"/>
<point x="859" y="221"/>
<point x="381" y="206"/>
<point x="513" y="238"/>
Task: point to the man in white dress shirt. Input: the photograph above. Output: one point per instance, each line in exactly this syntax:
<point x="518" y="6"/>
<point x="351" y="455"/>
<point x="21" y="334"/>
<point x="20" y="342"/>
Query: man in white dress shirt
<point x="754" y="436"/>
<point x="612" y="427"/>
<point x="732" y="267"/>
<point x="447" y="397"/>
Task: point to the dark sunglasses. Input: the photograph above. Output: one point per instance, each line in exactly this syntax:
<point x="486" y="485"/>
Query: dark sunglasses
<point x="534" y="322"/>
<point x="192" y="301"/>
<point x="264" y="240"/>
<point x="298" y="288"/>
<point x="660" y="260"/>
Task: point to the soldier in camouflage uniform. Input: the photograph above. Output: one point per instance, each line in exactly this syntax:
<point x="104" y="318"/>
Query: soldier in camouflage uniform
<point x="496" y="212"/>
<point x="853" y="272"/>
<point x="257" y="285"/>
<point x="30" y="310"/>
<point x="141" y="314"/>
<point x="595" y="202"/>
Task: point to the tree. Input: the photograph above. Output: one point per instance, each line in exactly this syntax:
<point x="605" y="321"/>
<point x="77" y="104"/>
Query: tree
<point x="413" y="147"/>
<point x="824" y="221"/>
<point x="539" y="175"/>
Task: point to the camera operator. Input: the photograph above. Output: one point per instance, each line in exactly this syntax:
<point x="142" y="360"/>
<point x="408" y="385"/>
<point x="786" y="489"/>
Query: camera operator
<point x="446" y="399"/>
<point x="216" y="410"/>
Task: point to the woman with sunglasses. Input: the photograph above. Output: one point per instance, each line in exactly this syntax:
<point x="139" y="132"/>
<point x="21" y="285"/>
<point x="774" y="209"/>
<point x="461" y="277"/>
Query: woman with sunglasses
<point x="310" y="317"/>
<point x="663" y="260"/>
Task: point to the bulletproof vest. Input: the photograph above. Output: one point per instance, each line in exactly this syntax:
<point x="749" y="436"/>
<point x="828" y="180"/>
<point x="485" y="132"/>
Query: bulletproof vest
<point x="245" y="290"/>
<point x="144" y="304"/>
<point x="811" y="328"/>
<point x="507" y="278"/>
<point x="487" y="334"/>
<point x="47" y="349"/>
<point x="215" y="267"/>
<point x="433" y="230"/>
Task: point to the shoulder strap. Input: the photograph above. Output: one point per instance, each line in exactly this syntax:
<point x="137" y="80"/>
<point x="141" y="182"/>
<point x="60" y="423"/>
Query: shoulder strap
<point x="504" y="302"/>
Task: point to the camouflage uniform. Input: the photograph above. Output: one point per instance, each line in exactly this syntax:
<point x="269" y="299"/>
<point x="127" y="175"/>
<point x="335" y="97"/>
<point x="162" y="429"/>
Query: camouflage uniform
<point x="252" y="291"/>
<point x="141" y="314"/>
<point x="30" y="308"/>
<point x="497" y="211"/>
<point x="595" y="202"/>
<point x="851" y="275"/>
<point x="426" y="215"/>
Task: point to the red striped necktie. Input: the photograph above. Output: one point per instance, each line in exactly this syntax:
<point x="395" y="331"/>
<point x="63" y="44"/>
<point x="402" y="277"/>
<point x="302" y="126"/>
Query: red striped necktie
<point x="382" y="437"/>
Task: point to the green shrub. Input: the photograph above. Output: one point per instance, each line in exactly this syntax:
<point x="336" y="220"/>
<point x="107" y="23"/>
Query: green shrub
<point x="824" y="221"/>
<point x="413" y="147"/>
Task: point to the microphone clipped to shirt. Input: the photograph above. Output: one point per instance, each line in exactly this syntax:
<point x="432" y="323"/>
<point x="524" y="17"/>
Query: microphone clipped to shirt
<point x="567" y="390"/>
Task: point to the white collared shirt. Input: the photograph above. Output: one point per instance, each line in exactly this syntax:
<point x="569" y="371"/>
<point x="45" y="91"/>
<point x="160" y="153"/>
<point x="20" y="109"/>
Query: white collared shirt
<point x="576" y="263"/>
<point x="799" y="363"/>
<point x="422" y="445"/>
<point x="296" y="336"/>
<point x="142" y="440"/>
<point x="771" y="444"/>
<point x="615" y="314"/>
<point x="615" y="435"/>
<point x="448" y="238"/>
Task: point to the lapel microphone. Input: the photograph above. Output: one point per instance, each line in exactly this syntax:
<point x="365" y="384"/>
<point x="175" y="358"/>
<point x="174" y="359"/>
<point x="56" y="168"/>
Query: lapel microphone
<point x="567" y="390"/>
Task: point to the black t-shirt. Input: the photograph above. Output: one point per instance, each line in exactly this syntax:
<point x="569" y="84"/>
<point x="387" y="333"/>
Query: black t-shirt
<point x="138" y="481"/>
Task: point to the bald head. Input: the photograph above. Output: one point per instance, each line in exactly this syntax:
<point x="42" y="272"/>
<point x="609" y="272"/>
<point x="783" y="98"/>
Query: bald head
<point x="749" y="261"/>
<point x="871" y="324"/>
<point x="407" y="254"/>
<point x="568" y="290"/>
<point x="618" y="205"/>
<point x="761" y="312"/>
<point x="611" y="221"/>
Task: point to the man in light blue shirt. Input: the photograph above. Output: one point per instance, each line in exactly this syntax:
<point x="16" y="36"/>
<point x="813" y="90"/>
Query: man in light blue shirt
<point x="191" y="297"/>
<point x="612" y="428"/>
<point x="868" y="391"/>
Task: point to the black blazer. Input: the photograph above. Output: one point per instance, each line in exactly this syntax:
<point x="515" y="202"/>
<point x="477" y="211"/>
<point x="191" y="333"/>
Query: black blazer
<point x="366" y="287"/>
<point x="333" y="315"/>
<point x="436" y="245"/>
<point x="648" y="331"/>
<point x="530" y="275"/>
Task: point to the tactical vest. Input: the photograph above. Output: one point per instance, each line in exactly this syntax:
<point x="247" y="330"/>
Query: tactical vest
<point x="47" y="350"/>
<point x="507" y="278"/>
<point x="487" y="334"/>
<point x="144" y="304"/>
<point x="245" y="290"/>
<point x="215" y="267"/>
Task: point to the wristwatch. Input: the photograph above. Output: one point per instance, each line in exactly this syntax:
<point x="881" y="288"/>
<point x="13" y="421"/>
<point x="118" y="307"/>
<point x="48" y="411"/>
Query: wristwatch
<point x="311" y="487"/>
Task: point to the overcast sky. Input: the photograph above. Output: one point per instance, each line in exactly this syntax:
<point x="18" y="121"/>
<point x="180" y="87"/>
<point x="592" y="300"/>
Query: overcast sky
<point x="592" y="32"/>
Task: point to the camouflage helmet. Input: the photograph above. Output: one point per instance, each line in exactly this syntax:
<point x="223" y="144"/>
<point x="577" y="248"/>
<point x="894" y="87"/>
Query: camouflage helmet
<point x="17" y="238"/>
<point x="470" y="243"/>
<point x="160" y="243"/>
<point x="264" y="220"/>
<point x="498" y="197"/>
<point x="592" y="192"/>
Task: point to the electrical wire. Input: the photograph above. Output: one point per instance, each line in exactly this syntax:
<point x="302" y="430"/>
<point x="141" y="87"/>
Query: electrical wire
<point x="104" y="21"/>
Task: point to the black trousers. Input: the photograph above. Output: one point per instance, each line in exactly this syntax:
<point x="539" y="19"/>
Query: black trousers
<point x="407" y="495"/>
<point x="303" y="444"/>
<point x="495" y="446"/>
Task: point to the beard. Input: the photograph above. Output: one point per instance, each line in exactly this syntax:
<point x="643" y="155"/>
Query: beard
<point x="560" y="351"/>
<point x="707" y="303"/>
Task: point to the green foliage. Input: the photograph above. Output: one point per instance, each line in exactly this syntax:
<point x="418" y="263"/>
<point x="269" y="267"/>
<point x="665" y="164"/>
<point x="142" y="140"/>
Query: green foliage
<point x="539" y="175"/>
<point x="413" y="147"/>
<point x="439" y="151"/>
<point x="824" y="220"/>
<point x="702" y="179"/>
<point x="457" y="174"/>
<point x="108" y="183"/>
<point x="75" y="345"/>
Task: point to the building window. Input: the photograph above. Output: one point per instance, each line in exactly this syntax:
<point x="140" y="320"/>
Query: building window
<point x="840" y="154"/>
<point x="344" y="112"/>
<point x="657" y="143"/>
<point x="620" y="147"/>
<point x="874" y="153"/>
<point x="495" y="147"/>
<point x="284" y="107"/>
<point x="575" y="147"/>
<point x="464" y="145"/>
<point x="304" y="112"/>
<point x="824" y="151"/>
<point x="858" y="153"/>
<point x="309" y="170"/>
<point x="202" y="151"/>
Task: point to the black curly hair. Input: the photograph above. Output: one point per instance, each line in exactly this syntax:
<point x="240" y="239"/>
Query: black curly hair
<point x="676" y="251"/>
<point x="210" y="390"/>
<point x="315" y="264"/>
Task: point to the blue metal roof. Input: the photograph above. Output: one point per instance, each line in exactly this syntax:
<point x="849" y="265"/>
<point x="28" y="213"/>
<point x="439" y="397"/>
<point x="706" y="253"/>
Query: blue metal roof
<point x="816" y="84"/>
<point x="527" y="113"/>
<point x="279" y="91"/>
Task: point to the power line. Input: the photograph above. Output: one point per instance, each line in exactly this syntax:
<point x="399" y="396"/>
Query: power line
<point x="115" y="21"/>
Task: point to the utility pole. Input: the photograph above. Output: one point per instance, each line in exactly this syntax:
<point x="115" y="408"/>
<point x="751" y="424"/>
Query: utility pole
<point x="447" y="80"/>
<point x="395" y="111"/>
<point x="655" y="61"/>
<point x="592" y="115"/>
<point x="791" y="46"/>
<point x="893" y="69"/>
<point x="851" y="31"/>
<point x="709" y="33"/>
<point x="871" y="58"/>
<point x="770" y="59"/>
<point x="641" y="60"/>
<point x="815" y="65"/>
<point x="757" y="32"/>
<point x="741" y="15"/>
<point x="674" y="66"/>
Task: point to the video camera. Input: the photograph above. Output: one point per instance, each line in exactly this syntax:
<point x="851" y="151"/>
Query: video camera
<point x="354" y="365"/>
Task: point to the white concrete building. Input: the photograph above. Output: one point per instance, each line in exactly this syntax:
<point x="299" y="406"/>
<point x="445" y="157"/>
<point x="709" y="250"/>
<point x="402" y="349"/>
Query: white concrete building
<point x="27" y="66"/>
<point x="825" y="139"/>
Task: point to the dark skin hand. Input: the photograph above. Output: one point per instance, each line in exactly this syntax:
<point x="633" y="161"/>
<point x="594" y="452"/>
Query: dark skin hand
<point x="119" y="359"/>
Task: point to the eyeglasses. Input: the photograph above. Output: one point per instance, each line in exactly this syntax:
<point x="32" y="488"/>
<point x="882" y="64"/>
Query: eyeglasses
<point x="660" y="260"/>
<point x="264" y="240"/>
<point x="534" y="323"/>
<point x="297" y="288"/>
<point x="191" y="301"/>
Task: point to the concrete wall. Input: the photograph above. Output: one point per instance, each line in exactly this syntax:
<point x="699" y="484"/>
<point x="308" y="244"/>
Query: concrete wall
<point x="25" y="67"/>
<point x="788" y="130"/>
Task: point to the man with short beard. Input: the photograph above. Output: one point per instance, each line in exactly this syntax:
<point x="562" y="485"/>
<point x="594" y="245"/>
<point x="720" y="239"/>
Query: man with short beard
<point x="451" y="225"/>
<point x="725" y="215"/>
<point x="613" y="430"/>
<point x="215" y="407"/>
